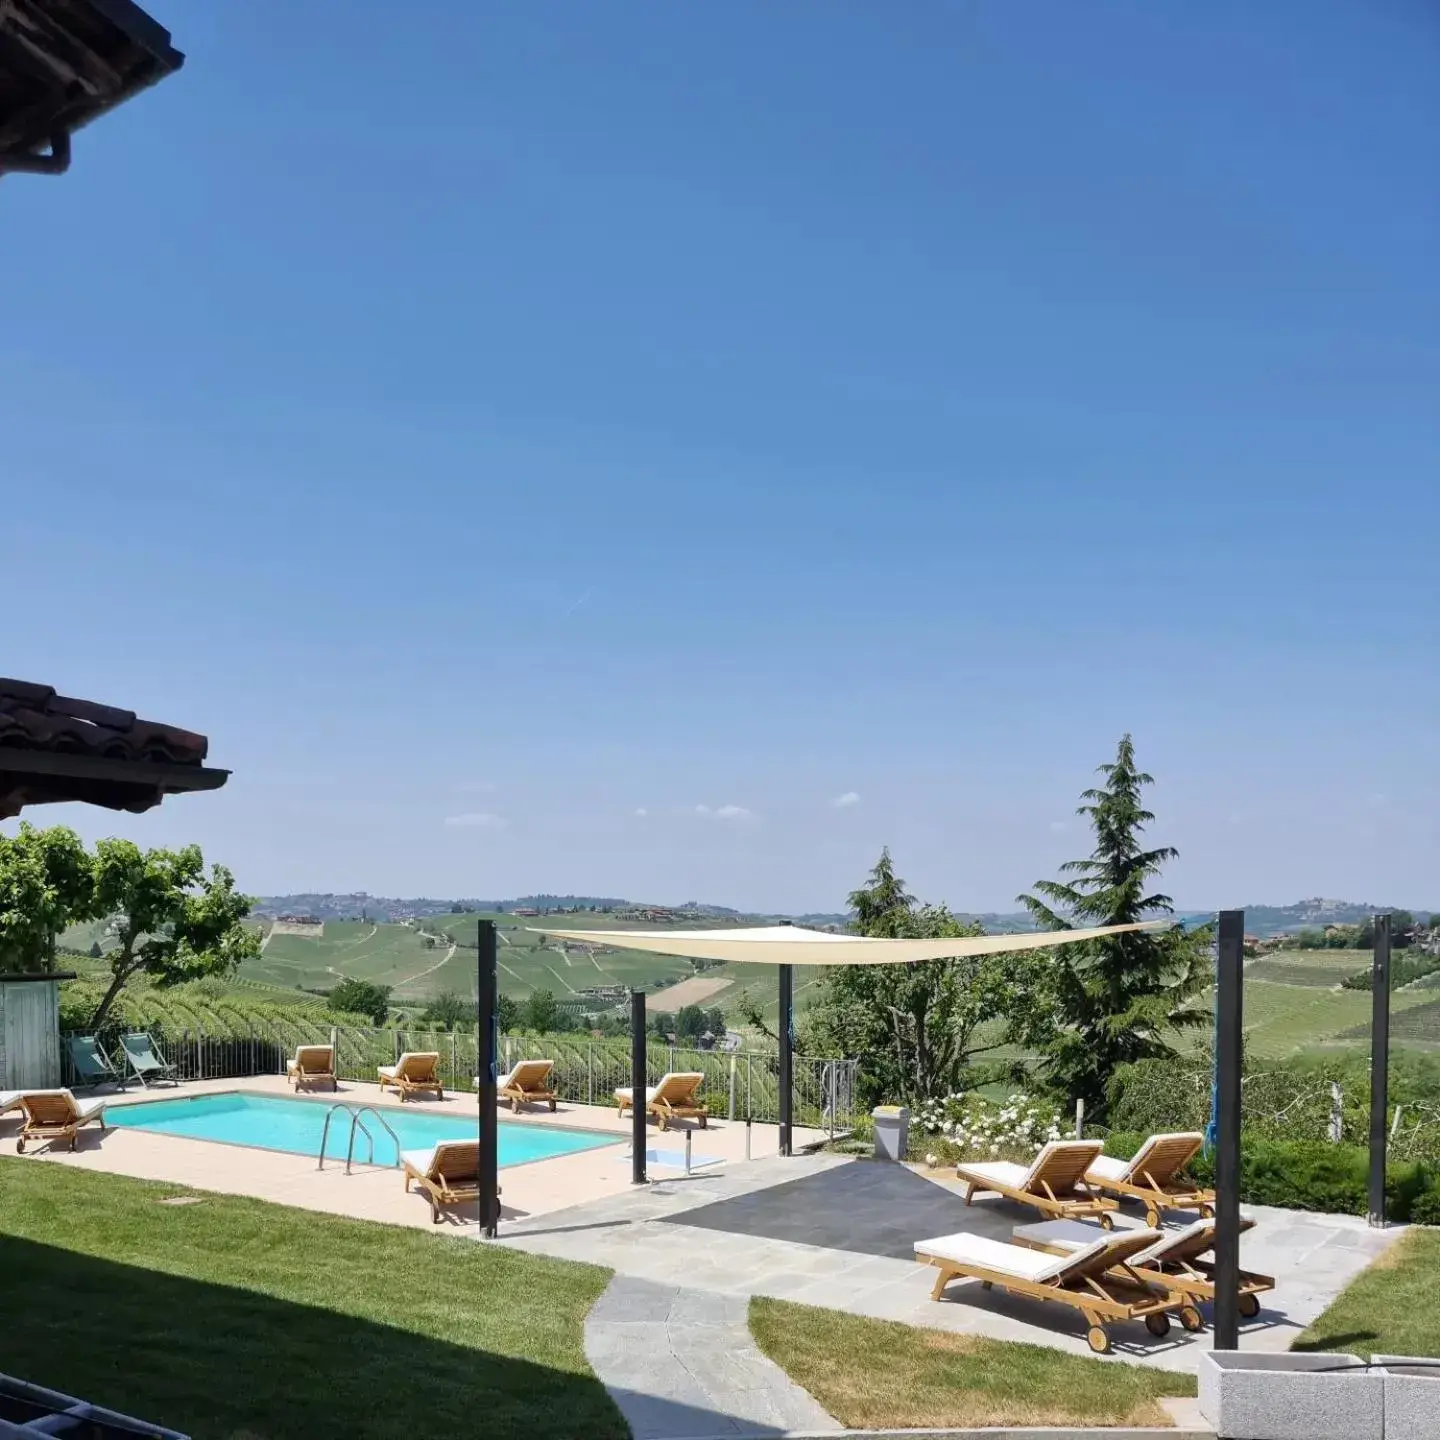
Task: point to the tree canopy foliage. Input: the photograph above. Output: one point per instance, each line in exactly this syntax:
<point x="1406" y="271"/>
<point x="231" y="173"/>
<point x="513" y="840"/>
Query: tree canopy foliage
<point x="361" y="997"/>
<point x="913" y="1027"/>
<point x="1091" y="1007"/>
<point x="47" y="882"/>
<point x="173" y="921"/>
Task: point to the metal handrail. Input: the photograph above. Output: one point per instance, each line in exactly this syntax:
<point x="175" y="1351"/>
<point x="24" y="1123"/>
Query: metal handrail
<point x="357" y="1122"/>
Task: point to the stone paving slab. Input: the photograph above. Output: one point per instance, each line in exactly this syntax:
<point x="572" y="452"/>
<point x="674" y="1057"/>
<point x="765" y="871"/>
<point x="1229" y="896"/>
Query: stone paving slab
<point x="680" y="1364"/>
<point x="740" y="1233"/>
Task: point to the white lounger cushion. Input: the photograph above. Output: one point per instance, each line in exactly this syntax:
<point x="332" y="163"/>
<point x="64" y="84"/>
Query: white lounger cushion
<point x="982" y="1253"/>
<point x="978" y="1252"/>
<point x="9" y="1100"/>
<point x="626" y="1091"/>
<point x="84" y="1109"/>
<point x="420" y="1160"/>
<point x="1003" y="1172"/>
<point x="1107" y="1167"/>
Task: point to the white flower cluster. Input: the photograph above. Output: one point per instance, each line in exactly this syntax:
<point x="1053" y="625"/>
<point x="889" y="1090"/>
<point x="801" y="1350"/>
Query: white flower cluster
<point x="989" y="1127"/>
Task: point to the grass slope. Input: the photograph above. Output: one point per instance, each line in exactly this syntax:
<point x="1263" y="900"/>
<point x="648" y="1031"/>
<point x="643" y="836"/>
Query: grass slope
<point x="1390" y="1308"/>
<point x="886" y="1375"/>
<point x="233" y="1318"/>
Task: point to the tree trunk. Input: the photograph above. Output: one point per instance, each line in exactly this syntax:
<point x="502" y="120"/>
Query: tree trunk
<point x="122" y="974"/>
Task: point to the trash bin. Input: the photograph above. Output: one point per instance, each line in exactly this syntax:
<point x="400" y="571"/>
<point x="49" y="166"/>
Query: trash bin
<point x="892" y="1131"/>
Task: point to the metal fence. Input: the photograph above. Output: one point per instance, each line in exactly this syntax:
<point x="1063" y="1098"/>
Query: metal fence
<point x="740" y="1086"/>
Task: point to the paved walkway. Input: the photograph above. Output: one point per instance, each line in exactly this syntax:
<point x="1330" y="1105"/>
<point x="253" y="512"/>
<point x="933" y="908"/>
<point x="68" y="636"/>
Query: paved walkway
<point x="823" y="1230"/>
<point x="680" y="1364"/>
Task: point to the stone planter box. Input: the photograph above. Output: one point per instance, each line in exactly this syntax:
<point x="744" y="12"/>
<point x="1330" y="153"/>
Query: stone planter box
<point x="1248" y="1396"/>
<point x="1412" y="1396"/>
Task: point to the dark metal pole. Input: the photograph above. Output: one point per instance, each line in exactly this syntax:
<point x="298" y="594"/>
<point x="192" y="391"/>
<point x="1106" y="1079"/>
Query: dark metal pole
<point x="637" y="1087"/>
<point x="1379" y="1066"/>
<point x="1229" y="1038"/>
<point x="486" y="978"/>
<point x="787" y="1041"/>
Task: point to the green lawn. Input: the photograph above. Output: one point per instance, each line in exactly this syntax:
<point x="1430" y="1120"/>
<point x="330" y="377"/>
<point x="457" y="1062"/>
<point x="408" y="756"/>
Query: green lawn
<point x="1390" y="1308"/>
<point x="233" y="1319"/>
<point x="885" y="1375"/>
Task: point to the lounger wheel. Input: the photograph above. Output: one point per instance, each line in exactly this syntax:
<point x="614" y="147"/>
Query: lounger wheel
<point x="1098" y="1340"/>
<point x="1249" y="1306"/>
<point x="1152" y="1218"/>
<point x="987" y="1284"/>
<point x="1106" y="1223"/>
<point x="552" y="1107"/>
<point x="1158" y="1324"/>
<point x="1191" y="1319"/>
<point x="19" y="1147"/>
<point x="1207" y="1212"/>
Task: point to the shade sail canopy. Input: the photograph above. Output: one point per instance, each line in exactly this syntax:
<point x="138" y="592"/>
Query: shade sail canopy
<point x="791" y="945"/>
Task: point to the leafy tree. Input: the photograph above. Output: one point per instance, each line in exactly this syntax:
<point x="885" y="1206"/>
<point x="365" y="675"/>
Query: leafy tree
<point x="540" y="1013"/>
<point x="362" y="997"/>
<point x="507" y="1014"/>
<point x="1091" y="1007"/>
<point x="175" y="922"/>
<point x="715" y="1022"/>
<point x="47" y="882"/>
<point x="96" y="952"/>
<point x="912" y="1027"/>
<point x="689" y="1023"/>
<point x="450" y="1011"/>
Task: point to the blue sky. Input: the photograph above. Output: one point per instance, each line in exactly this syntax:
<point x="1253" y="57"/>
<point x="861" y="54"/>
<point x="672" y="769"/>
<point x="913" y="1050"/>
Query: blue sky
<point x="495" y="424"/>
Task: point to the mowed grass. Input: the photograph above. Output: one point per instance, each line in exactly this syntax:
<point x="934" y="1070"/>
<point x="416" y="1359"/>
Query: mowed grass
<point x="1389" y="1309"/>
<point x="233" y="1318"/>
<point x="889" y="1376"/>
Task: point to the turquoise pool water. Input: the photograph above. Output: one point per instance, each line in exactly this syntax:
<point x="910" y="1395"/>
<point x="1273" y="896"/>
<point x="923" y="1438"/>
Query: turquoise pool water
<point x="274" y="1123"/>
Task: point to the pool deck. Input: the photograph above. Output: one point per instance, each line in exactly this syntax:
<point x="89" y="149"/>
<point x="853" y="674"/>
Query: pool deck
<point x="536" y="1188"/>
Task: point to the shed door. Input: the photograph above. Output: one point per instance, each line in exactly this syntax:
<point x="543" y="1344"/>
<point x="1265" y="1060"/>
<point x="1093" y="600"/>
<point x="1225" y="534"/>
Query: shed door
<point x="32" y="1036"/>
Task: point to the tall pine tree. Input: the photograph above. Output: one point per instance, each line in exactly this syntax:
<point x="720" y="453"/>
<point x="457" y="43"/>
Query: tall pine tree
<point x="1095" y="1006"/>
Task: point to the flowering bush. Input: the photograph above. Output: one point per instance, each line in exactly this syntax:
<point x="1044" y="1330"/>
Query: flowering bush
<point x="970" y="1127"/>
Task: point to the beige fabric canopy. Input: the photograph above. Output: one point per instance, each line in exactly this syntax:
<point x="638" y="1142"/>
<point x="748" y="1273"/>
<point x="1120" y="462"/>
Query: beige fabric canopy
<point x="792" y="945"/>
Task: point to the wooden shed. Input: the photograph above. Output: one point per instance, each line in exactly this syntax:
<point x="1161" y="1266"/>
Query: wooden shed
<point x="30" y="1030"/>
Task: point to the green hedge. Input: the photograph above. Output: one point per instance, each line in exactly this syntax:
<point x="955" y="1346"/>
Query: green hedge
<point x="1315" y="1175"/>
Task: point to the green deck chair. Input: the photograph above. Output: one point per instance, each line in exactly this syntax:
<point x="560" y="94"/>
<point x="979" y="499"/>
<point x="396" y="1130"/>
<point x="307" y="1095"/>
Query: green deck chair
<point x="91" y="1064"/>
<point x="145" y="1060"/>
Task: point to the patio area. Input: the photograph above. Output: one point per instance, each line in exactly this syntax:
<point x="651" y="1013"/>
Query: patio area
<point x="530" y="1190"/>
<point x="838" y="1233"/>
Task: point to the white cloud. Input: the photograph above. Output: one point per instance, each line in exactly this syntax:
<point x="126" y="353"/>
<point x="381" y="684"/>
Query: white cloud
<point x="476" y="820"/>
<point x="724" y="812"/>
<point x="642" y="812"/>
<point x="845" y="801"/>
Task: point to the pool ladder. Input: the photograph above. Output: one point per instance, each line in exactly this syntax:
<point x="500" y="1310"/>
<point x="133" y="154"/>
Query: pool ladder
<point x="357" y="1122"/>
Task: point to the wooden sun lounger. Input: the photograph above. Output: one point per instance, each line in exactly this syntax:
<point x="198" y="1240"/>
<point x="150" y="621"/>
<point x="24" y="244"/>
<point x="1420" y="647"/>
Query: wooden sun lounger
<point x="1054" y="1184"/>
<point x="527" y="1083"/>
<point x="1173" y="1264"/>
<point x="449" y="1174"/>
<point x="54" y="1115"/>
<point x="413" y="1074"/>
<point x="1157" y="1176"/>
<point x="673" y="1098"/>
<point x="313" y="1065"/>
<point x="1097" y="1280"/>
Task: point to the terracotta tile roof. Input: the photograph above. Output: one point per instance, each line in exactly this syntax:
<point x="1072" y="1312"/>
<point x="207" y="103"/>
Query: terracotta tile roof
<point x="54" y="748"/>
<point x="62" y="63"/>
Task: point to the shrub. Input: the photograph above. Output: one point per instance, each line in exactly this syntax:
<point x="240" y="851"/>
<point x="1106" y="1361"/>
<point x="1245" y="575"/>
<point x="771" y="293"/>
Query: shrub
<point x="972" y="1127"/>
<point x="1313" y="1175"/>
<point x="1426" y="1209"/>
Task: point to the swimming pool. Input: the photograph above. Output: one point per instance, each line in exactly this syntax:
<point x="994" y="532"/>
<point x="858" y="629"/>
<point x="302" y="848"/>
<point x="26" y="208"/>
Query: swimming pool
<point x="274" y="1123"/>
